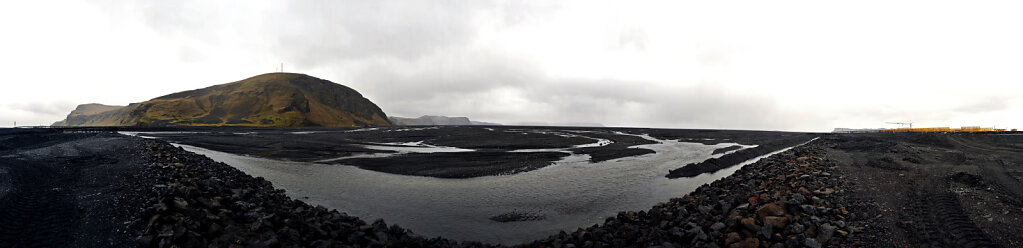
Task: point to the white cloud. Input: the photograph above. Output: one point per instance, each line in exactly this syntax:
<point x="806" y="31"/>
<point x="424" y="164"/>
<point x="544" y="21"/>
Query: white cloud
<point x="802" y="65"/>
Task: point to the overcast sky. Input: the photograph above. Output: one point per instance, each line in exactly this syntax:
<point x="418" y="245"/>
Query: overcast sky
<point x="768" y="65"/>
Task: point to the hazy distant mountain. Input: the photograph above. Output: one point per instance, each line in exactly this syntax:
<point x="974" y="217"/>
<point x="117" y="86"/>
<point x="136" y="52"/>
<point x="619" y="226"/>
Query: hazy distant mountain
<point x="563" y="124"/>
<point x="430" y="120"/>
<point x="435" y="120"/>
<point x="273" y="99"/>
<point x="483" y="123"/>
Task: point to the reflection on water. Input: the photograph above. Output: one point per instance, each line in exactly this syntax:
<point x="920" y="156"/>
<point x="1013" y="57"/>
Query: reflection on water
<point x="571" y="193"/>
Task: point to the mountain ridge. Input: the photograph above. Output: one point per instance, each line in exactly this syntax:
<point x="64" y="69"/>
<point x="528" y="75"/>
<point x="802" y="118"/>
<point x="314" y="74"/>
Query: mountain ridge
<point x="272" y="99"/>
<point x="437" y="120"/>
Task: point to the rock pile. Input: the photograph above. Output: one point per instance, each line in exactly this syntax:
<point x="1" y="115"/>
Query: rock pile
<point x="197" y="202"/>
<point x="788" y="200"/>
<point x="728" y="160"/>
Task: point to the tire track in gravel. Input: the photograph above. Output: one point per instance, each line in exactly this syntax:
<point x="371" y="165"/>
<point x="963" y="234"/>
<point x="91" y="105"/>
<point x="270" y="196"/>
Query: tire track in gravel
<point x="935" y="218"/>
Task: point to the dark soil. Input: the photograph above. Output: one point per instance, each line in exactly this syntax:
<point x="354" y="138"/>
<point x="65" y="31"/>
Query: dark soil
<point x="765" y="144"/>
<point x="69" y="188"/>
<point x="792" y="199"/>
<point x="620" y="148"/>
<point x="329" y="143"/>
<point x="725" y="149"/>
<point x="458" y="165"/>
<point x="938" y="190"/>
<point x="517" y="216"/>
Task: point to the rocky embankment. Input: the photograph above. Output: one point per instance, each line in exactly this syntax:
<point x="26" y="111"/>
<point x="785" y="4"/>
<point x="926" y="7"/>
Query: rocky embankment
<point x="197" y="202"/>
<point x="731" y="159"/>
<point x="792" y="199"/>
<point x="788" y="200"/>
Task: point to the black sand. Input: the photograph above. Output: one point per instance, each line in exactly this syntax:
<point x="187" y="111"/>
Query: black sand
<point x="71" y="188"/>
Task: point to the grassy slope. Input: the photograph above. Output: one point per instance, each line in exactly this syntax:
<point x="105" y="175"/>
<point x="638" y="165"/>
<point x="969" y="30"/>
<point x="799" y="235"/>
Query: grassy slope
<point x="274" y="99"/>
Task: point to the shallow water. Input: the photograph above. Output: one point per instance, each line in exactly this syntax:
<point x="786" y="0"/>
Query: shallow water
<point x="571" y="193"/>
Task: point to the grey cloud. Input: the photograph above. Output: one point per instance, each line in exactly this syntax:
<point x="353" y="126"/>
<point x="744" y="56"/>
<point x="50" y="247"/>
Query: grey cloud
<point x="467" y="88"/>
<point x="43" y="108"/>
<point x="337" y="30"/>
<point x="445" y="76"/>
<point x="34" y="113"/>
<point x="311" y="34"/>
<point x="986" y="103"/>
<point x="415" y="58"/>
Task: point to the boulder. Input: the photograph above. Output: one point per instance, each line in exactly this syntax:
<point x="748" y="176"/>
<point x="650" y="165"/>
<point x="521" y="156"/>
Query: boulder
<point x="778" y="222"/>
<point x="825" y="231"/>
<point x="765" y="232"/>
<point x="750" y="224"/>
<point x="747" y="243"/>
<point x="732" y="237"/>
<point x="771" y="209"/>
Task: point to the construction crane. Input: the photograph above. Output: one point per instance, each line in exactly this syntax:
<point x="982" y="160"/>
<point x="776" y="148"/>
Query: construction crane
<point x="909" y="123"/>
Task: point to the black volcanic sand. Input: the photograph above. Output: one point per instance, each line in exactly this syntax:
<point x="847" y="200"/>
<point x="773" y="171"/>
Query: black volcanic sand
<point x="171" y="197"/>
<point x="459" y="165"/>
<point x="619" y="149"/>
<point x="491" y="144"/>
<point x="909" y="190"/>
<point x="792" y="199"/>
<point x="490" y="157"/>
<point x="726" y="149"/>
<point x="766" y="142"/>
<point x="59" y="189"/>
<point x="938" y="190"/>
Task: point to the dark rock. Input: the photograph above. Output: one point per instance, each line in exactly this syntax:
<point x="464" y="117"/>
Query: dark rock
<point x="796" y="199"/>
<point x="765" y="232"/>
<point x="746" y="243"/>
<point x="811" y="243"/>
<point x="180" y="203"/>
<point x="771" y="209"/>
<point x="732" y="237"/>
<point x="825" y="231"/>
<point x="795" y="228"/>
<point x="808" y="209"/>
<point x="704" y="209"/>
<point x="792" y="242"/>
<point x="778" y="222"/>
<point x="717" y="226"/>
<point x="144" y="240"/>
<point x="750" y="224"/>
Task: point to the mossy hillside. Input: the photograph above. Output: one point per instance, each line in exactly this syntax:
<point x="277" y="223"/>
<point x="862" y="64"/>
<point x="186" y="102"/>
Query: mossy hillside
<point x="270" y="100"/>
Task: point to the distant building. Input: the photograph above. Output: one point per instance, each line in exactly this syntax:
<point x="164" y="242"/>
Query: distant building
<point x="965" y="129"/>
<point x="856" y="130"/>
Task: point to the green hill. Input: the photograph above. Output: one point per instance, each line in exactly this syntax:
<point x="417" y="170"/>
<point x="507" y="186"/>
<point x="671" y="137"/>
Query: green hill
<point x="273" y="99"/>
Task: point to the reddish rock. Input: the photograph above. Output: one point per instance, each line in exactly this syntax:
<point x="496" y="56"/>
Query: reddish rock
<point x="750" y="224"/>
<point x="732" y="237"/>
<point x="747" y="243"/>
<point x="777" y="222"/>
<point x="771" y="209"/>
